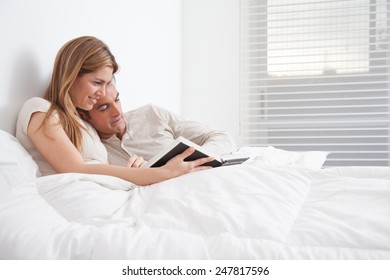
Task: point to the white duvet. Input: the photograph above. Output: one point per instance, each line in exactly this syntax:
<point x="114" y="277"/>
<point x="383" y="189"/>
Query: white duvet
<point x="257" y="210"/>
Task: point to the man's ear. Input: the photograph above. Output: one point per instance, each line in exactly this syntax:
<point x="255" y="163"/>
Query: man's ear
<point x="84" y="115"/>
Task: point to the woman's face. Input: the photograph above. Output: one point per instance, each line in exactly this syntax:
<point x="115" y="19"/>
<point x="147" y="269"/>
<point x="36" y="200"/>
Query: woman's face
<point x="88" y="88"/>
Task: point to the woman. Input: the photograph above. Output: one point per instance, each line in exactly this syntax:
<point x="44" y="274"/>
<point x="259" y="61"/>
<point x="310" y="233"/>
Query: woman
<point x="54" y="134"/>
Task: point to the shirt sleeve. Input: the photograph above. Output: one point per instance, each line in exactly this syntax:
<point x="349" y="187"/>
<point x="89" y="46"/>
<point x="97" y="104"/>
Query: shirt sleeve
<point x="31" y="106"/>
<point x="217" y="142"/>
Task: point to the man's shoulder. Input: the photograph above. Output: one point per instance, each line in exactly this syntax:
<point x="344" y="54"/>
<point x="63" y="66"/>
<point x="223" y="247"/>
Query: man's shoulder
<point x="147" y="109"/>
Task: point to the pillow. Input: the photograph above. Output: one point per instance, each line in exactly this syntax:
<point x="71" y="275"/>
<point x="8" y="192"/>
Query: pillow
<point x="274" y="156"/>
<point x="16" y="164"/>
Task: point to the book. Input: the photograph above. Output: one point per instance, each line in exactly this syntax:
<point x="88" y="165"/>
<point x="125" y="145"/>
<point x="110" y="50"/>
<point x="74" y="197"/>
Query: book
<point x="180" y="144"/>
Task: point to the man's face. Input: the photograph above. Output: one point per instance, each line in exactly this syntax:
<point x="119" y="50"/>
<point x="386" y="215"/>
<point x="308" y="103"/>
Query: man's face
<point x="106" y="115"/>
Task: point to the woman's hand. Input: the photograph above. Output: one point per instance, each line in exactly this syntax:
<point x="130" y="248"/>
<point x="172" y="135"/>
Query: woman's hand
<point x="135" y="161"/>
<point x="177" y="166"/>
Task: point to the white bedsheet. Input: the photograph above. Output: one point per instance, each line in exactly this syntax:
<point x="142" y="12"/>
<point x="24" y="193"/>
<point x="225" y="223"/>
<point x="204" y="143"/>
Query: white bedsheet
<point x="278" y="205"/>
<point x="249" y="211"/>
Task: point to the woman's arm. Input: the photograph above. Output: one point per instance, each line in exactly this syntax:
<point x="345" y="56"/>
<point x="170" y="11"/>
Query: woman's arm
<point x="62" y="155"/>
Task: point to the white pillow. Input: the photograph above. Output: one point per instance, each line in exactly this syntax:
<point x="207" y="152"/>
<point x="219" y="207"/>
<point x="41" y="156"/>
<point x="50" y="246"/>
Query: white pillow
<point x="273" y="156"/>
<point x="16" y="164"/>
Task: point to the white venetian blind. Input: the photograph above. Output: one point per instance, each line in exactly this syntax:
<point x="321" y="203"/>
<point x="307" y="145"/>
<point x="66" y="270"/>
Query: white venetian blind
<point x="315" y="75"/>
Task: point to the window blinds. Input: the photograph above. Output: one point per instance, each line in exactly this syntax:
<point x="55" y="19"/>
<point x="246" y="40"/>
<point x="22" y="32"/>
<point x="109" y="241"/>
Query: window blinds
<point x="314" y="75"/>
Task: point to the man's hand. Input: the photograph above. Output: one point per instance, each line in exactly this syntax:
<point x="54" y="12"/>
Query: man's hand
<point x="135" y="161"/>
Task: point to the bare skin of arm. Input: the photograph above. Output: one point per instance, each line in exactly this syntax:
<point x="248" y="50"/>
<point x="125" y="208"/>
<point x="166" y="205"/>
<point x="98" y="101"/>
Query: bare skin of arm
<point x="62" y="155"/>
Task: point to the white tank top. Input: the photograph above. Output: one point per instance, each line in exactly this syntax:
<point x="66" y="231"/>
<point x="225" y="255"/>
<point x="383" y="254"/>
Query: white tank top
<point x="93" y="151"/>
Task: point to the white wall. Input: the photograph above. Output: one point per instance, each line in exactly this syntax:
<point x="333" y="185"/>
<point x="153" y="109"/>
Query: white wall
<point x="145" y="36"/>
<point x="182" y="55"/>
<point x="211" y="63"/>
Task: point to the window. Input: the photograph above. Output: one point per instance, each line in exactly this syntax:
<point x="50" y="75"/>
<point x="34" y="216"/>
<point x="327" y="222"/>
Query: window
<point x="315" y="75"/>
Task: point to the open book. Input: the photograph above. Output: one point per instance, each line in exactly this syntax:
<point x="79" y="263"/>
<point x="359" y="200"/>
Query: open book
<point x="181" y="144"/>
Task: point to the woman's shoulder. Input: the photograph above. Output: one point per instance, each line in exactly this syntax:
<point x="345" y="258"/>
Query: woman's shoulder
<point x="37" y="104"/>
<point x="31" y="106"/>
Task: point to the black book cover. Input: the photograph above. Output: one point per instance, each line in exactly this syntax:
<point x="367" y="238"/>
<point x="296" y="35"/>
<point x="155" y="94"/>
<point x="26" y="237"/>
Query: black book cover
<point x="178" y="149"/>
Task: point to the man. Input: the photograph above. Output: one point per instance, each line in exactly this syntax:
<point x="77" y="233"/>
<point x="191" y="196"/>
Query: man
<point x="145" y="131"/>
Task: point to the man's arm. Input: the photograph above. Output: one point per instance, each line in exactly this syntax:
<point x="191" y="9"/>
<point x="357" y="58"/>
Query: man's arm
<point x="215" y="141"/>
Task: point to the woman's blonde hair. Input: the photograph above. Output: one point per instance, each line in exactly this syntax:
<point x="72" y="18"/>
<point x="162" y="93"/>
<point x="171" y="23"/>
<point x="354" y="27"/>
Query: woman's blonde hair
<point x="79" y="56"/>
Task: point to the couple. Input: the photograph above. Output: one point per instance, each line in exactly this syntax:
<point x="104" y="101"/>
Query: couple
<point x="82" y="87"/>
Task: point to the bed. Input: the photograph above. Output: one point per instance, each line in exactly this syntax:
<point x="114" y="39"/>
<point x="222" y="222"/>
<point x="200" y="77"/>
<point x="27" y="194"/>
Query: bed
<point x="278" y="205"/>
